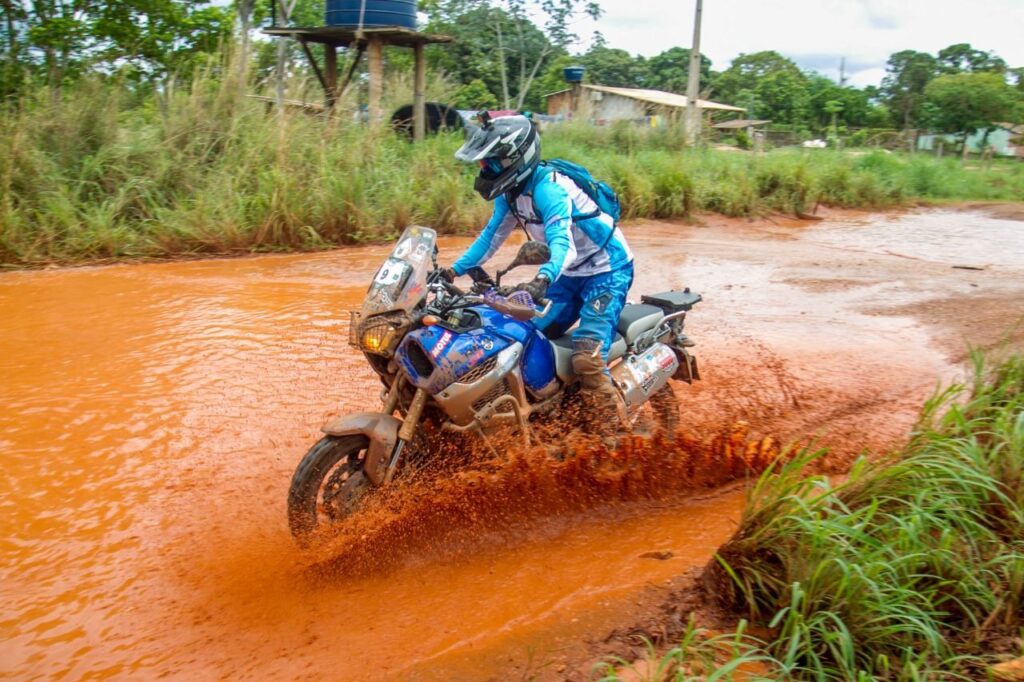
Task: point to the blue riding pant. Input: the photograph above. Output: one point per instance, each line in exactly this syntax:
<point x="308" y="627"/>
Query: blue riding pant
<point x="596" y="301"/>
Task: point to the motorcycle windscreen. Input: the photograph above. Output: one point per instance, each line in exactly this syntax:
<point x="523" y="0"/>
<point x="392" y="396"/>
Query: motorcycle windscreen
<point x="401" y="283"/>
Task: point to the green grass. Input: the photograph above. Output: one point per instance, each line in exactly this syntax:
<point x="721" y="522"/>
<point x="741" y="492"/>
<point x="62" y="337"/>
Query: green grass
<point x="102" y="172"/>
<point x="910" y="566"/>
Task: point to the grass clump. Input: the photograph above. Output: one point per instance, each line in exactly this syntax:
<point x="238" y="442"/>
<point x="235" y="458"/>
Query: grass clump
<point x="911" y="566"/>
<point x="100" y="171"/>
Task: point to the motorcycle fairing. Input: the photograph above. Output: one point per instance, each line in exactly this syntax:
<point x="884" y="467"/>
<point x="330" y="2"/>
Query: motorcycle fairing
<point x="435" y="357"/>
<point x="538" y="363"/>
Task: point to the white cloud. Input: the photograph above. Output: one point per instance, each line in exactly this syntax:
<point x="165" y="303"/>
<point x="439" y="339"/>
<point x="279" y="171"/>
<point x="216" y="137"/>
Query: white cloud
<point x="815" y="33"/>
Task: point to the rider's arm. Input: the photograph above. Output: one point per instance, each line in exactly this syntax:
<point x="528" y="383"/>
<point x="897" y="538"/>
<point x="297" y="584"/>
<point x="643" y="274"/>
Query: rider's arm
<point x="554" y="206"/>
<point x="494" y="234"/>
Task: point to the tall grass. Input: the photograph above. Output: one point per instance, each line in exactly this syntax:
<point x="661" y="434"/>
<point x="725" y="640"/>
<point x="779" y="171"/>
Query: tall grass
<point x="908" y="567"/>
<point x="104" y="172"/>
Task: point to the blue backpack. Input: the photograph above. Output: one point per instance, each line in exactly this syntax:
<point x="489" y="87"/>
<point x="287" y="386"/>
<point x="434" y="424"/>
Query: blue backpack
<point x="600" y="192"/>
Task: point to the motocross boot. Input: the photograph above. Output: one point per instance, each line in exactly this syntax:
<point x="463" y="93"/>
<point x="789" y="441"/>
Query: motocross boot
<point x="604" y="413"/>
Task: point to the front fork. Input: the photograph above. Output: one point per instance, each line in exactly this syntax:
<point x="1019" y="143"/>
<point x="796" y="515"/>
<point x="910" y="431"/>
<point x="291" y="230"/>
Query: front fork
<point x="408" y="429"/>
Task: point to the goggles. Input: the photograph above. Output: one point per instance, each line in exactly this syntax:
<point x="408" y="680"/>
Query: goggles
<point x="491" y="167"/>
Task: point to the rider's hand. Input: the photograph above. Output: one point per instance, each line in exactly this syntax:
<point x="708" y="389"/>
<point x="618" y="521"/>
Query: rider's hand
<point x="447" y="274"/>
<point x="537" y="288"/>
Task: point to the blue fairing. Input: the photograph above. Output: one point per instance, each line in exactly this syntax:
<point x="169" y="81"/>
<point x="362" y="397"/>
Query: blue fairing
<point x="452" y="354"/>
<point x="538" y="363"/>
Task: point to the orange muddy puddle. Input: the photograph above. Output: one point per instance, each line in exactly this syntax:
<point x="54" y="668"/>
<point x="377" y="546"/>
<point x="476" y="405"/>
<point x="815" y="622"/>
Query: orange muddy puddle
<point x="151" y="417"/>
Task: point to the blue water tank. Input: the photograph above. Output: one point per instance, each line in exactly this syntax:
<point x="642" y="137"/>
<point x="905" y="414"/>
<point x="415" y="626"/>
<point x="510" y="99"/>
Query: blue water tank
<point x="375" y="13"/>
<point x="573" y="74"/>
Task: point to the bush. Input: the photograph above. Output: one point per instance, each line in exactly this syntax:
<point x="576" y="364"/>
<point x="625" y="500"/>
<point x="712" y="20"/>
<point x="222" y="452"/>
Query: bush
<point x="107" y="173"/>
<point x="904" y="569"/>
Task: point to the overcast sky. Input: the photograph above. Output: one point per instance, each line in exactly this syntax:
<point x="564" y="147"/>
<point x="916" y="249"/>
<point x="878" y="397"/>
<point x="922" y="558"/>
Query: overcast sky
<point x="815" y="33"/>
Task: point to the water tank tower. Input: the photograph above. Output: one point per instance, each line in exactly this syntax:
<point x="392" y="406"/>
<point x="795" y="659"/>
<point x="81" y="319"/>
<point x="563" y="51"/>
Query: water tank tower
<point x="371" y="13"/>
<point x="363" y="26"/>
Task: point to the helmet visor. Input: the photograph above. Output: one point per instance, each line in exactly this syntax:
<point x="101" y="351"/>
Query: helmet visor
<point x="490" y="168"/>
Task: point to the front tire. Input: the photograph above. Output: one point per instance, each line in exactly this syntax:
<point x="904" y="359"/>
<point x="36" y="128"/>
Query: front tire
<point x="328" y="484"/>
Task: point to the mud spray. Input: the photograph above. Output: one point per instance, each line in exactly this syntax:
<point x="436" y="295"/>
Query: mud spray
<point x="153" y="415"/>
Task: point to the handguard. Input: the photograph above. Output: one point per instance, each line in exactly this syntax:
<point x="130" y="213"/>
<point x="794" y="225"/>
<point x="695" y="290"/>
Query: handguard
<point x="519" y="305"/>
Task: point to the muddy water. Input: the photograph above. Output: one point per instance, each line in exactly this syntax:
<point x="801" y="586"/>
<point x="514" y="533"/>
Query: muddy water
<point x="151" y="415"/>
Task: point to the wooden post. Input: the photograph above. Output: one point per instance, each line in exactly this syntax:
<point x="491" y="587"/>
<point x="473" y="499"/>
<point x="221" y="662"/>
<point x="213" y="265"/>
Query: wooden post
<point x="419" y="103"/>
<point x="375" y="54"/>
<point x="331" y="74"/>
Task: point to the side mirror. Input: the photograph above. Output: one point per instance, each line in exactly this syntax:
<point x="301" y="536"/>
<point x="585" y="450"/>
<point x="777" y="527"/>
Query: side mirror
<point x="530" y="253"/>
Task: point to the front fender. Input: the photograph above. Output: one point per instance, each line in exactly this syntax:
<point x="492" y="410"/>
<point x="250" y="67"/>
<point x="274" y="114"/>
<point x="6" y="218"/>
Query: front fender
<point x="381" y="429"/>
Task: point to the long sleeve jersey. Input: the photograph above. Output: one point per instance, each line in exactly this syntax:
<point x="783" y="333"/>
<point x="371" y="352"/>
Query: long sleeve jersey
<point x="554" y="210"/>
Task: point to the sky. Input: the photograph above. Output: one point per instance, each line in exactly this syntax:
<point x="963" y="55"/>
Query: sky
<point x="815" y="34"/>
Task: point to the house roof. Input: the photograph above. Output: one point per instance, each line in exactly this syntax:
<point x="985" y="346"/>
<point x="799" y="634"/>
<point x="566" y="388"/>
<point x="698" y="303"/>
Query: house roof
<point x="659" y="97"/>
<point x="740" y="123"/>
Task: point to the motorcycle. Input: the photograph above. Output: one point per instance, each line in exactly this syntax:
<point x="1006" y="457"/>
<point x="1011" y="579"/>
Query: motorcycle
<point x="472" y="363"/>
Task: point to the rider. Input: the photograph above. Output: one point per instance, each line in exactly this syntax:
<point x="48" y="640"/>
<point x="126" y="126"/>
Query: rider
<point x="591" y="267"/>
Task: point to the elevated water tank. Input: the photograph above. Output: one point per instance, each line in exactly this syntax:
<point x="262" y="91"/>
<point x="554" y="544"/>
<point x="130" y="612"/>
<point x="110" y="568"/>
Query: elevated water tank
<point x="573" y="74"/>
<point x="374" y="13"/>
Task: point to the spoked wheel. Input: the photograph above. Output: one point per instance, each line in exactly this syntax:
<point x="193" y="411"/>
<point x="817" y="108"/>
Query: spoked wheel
<point x="328" y="484"/>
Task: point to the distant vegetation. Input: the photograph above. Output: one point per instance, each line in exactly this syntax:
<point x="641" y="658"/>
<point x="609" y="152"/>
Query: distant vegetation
<point x="127" y="131"/>
<point x="104" y="173"/>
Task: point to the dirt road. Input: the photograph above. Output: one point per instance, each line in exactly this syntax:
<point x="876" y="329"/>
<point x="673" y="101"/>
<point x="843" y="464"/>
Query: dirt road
<point x="152" y="416"/>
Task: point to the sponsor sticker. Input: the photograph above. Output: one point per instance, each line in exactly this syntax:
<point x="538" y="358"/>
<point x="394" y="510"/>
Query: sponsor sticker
<point x="441" y="344"/>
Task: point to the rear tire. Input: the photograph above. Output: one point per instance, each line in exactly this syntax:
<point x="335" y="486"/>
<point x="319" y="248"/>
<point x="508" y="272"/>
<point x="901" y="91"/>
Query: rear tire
<point x="328" y="484"/>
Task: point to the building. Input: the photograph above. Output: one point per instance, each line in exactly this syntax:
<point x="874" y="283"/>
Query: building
<point x="601" y="103"/>
<point x="1002" y="139"/>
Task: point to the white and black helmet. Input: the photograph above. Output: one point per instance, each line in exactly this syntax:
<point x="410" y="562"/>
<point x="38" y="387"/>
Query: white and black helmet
<point x="507" y="148"/>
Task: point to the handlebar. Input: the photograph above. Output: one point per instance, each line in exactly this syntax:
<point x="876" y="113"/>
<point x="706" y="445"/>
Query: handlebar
<point x="522" y="310"/>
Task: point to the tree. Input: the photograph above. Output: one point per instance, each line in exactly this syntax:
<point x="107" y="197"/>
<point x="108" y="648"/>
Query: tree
<point x="501" y="37"/>
<point x="474" y="95"/>
<point x="961" y="57"/>
<point x="962" y="103"/>
<point x="614" y="67"/>
<point x="57" y="40"/>
<point x="747" y="70"/>
<point x="782" y="96"/>
<point x="907" y="74"/>
<point x="669" y="70"/>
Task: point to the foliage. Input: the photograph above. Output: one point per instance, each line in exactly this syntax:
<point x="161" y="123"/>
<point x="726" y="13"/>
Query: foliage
<point x="56" y="41"/>
<point x="499" y="42"/>
<point x="965" y="102"/>
<point x="907" y="74"/>
<point x="962" y="58"/>
<point x="747" y="70"/>
<point x="670" y="70"/>
<point x="103" y="172"/>
<point x="474" y="95"/>
<point x="614" y="67"/>
<point x="902" y="569"/>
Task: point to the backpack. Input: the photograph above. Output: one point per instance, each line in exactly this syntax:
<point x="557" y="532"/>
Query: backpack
<point x="600" y="192"/>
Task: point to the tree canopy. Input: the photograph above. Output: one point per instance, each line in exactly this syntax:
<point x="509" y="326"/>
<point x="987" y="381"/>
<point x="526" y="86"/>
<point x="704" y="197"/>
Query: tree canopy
<point x="506" y="53"/>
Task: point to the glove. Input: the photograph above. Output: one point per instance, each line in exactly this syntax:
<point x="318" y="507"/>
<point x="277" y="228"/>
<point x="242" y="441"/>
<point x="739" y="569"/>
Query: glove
<point x="447" y="274"/>
<point x="479" y="276"/>
<point x="536" y="288"/>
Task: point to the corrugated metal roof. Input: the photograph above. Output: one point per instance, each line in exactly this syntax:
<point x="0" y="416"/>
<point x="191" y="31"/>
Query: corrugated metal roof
<point x="740" y="123"/>
<point x="665" y="99"/>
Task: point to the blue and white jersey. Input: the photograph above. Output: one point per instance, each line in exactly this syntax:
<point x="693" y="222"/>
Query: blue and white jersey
<point x="583" y="240"/>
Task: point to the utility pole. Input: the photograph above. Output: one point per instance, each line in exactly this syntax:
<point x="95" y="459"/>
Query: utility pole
<point x="842" y="72"/>
<point x="693" y="83"/>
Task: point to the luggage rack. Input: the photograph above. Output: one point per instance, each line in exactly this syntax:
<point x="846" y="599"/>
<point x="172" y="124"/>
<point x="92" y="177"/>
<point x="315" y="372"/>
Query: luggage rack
<point x="673" y="301"/>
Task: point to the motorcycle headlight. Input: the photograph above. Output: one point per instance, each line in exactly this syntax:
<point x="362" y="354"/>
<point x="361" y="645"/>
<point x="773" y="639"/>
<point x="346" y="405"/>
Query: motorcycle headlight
<point x="380" y="334"/>
<point x="377" y="339"/>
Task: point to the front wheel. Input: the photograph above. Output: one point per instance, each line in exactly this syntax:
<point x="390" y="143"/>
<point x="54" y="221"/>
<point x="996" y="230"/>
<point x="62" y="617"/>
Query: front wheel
<point x="328" y="484"/>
